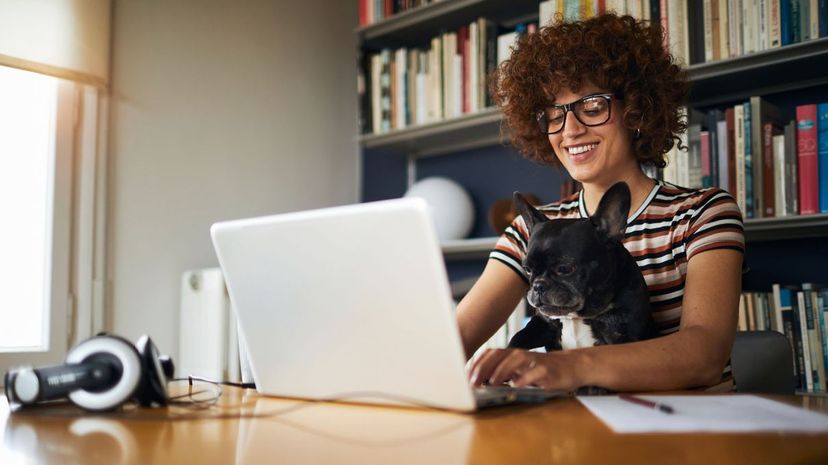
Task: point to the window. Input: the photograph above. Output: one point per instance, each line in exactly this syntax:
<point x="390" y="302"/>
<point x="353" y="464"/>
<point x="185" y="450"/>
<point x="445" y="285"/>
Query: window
<point x="37" y="134"/>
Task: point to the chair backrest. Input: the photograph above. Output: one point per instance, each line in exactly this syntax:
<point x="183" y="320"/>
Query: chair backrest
<point x="762" y="362"/>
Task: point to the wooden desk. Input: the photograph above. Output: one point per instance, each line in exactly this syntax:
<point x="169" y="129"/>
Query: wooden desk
<point x="558" y="432"/>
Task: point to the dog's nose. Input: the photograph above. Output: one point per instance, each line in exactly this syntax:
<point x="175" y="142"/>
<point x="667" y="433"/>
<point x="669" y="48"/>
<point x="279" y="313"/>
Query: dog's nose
<point x="540" y="286"/>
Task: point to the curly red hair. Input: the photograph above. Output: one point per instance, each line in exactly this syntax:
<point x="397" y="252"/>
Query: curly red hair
<point x="616" y="53"/>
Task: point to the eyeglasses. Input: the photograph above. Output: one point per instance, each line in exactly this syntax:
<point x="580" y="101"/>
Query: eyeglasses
<point x="592" y="110"/>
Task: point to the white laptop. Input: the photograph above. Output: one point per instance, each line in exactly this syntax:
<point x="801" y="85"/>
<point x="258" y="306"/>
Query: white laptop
<point x="350" y="303"/>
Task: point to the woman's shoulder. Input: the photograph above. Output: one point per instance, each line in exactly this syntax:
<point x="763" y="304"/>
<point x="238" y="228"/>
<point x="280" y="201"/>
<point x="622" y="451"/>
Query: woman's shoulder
<point x="688" y="197"/>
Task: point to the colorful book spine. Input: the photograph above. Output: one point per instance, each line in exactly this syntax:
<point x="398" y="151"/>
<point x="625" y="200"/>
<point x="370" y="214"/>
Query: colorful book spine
<point x="822" y="306"/>
<point x="802" y="315"/>
<point x="749" y="149"/>
<point x="806" y="136"/>
<point x="822" y="143"/>
<point x="785" y="22"/>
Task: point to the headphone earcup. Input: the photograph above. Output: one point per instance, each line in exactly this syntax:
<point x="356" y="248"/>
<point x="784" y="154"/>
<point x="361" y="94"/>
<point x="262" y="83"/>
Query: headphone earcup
<point x="125" y="361"/>
<point x="157" y="370"/>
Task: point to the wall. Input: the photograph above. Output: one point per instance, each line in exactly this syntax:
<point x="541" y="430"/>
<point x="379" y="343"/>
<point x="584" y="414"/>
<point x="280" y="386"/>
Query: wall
<point x="220" y="109"/>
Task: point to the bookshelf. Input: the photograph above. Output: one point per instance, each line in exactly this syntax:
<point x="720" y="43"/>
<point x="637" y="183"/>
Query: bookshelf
<point x="793" y="67"/>
<point x="783" y="249"/>
<point x="419" y="25"/>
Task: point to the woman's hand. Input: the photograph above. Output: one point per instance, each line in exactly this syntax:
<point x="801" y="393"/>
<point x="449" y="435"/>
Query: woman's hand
<point x="553" y="370"/>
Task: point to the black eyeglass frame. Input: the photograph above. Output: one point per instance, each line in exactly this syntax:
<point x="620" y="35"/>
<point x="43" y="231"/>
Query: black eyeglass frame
<point x="541" y="117"/>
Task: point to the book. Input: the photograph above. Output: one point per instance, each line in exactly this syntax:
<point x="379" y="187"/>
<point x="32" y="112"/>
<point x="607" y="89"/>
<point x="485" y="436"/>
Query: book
<point x="822" y="151"/>
<point x="748" y="149"/>
<point x="780" y="180"/>
<point x="814" y="344"/>
<point x="739" y="139"/>
<point x="785" y="22"/>
<point x="806" y="323"/>
<point x="762" y="111"/>
<point x="785" y="303"/>
<point x="775" y="28"/>
<point x="706" y="164"/>
<point x="806" y="135"/>
<point x="721" y="154"/>
<point x="804" y="348"/>
<point x="730" y="122"/>
<point x="694" y="157"/>
<point x="791" y="170"/>
<point x="769" y="191"/>
<point x="822" y="313"/>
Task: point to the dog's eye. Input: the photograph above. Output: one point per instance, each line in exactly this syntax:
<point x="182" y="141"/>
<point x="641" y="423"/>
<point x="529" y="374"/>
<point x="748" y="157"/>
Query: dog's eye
<point x="564" y="270"/>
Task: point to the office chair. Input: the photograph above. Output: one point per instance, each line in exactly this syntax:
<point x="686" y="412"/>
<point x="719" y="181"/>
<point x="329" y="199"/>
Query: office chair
<point x="762" y="363"/>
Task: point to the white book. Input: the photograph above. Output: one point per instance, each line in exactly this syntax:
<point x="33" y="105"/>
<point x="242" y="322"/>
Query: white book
<point x="376" y="94"/>
<point x="777" y="308"/>
<point x="436" y="79"/>
<point x="634" y="8"/>
<point x="472" y="66"/>
<point x="813" y="19"/>
<point x="779" y="175"/>
<point x="618" y="6"/>
<point x="677" y="25"/>
<point x="734" y="20"/>
<point x="400" y="78"/>
<point x="457" y="86"/>
<point x="422" y="94"/>
<point x="739" y="139"/>
<point x="504" y="46"/>
<point x="546" y="12"/>
<point x="748" y="25"/>
<point x="759" y="304"/>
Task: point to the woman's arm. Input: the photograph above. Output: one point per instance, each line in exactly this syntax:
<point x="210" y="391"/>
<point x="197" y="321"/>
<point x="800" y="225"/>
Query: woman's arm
<point x="693" y="356"/>
<point x="488" y="304"/>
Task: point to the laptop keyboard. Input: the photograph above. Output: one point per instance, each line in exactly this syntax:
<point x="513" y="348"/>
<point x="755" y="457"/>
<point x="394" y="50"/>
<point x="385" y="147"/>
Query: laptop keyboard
<point x="487" y="396"/>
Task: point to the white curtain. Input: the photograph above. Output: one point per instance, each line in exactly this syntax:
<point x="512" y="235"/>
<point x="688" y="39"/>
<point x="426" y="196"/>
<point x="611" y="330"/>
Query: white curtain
<point x="69" y="39"/>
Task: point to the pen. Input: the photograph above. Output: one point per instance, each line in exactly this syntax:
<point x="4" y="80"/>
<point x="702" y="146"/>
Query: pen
<point x="646" y="403"/>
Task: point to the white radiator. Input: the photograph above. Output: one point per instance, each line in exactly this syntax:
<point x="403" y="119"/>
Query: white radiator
<point x="208" y="341"/>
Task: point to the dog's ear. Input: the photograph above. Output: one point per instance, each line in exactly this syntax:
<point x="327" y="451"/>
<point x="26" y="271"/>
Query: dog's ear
<point x="611" y="215"/>
<point x="530" y="214"/>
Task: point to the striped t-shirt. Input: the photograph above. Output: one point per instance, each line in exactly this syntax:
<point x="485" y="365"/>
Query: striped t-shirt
<point x="672" y="225"/>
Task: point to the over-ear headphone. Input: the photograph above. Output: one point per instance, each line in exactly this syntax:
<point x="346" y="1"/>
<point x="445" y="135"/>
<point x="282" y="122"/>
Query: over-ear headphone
<point x="99" y="374"/>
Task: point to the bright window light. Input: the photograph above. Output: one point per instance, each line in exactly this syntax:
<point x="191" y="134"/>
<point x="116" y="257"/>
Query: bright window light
<point x="27" y="132"/>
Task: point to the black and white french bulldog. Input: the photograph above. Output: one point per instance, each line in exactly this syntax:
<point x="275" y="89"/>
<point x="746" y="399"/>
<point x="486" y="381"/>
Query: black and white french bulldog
<point x="585" y="286"/>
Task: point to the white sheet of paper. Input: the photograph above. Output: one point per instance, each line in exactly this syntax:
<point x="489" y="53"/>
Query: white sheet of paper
<point x="704" y="413"/>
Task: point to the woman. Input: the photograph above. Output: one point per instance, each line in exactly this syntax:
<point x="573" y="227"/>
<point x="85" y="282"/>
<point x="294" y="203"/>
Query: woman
<point x="601" y="97"/>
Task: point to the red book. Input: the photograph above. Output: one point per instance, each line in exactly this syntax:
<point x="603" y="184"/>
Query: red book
<point x="363" y="12"/>
<point x="730" y="121"/>
<point x="806" y="145"/>
<point x="602" y="6"/>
